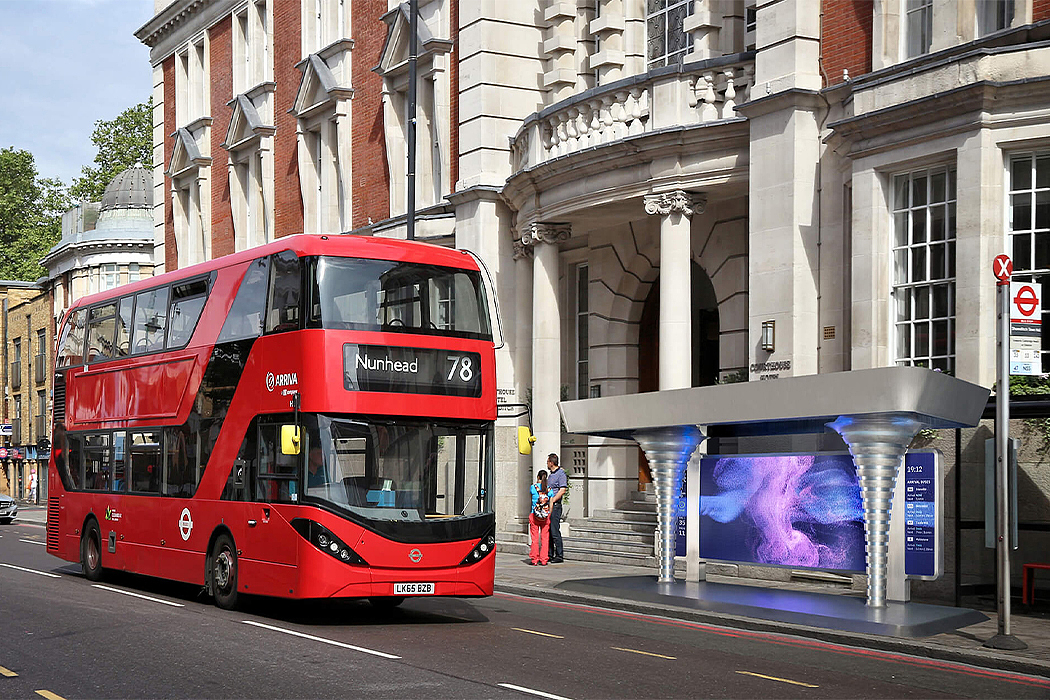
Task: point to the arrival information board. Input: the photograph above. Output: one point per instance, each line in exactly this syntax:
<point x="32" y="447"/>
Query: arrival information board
<point x="922" y="555"/>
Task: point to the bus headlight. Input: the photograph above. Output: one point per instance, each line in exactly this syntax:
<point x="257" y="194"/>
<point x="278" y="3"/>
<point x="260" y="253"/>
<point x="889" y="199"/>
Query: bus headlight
<point x="326" y="541"/>
<point x="482" y="549"/>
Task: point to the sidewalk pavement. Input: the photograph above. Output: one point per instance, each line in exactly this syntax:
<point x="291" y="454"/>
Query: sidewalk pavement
<point x="514" y="575"/>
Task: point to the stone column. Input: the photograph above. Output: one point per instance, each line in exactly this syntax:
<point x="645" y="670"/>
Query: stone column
<point x="546" y="338"/>
<point x="675" y="209"/>
<point x="878" y="444"/>
<point x="668" y="451"/>
<point x="523" y="272"/>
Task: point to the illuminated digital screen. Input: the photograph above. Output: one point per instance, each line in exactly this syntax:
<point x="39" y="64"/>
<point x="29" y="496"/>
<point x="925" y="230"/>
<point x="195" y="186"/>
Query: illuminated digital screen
<point x="804" y="511"/>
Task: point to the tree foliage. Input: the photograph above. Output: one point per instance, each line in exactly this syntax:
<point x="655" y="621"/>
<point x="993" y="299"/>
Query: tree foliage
<point x="30" y="215"/>
<point x="121" y="143"/>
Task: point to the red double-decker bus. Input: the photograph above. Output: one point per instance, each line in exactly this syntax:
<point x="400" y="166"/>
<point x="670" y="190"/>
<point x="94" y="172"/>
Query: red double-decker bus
<point x="311" y="418"/>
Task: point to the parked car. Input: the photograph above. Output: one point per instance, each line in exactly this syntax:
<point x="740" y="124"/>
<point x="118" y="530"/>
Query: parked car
<point x="8" y="509"/>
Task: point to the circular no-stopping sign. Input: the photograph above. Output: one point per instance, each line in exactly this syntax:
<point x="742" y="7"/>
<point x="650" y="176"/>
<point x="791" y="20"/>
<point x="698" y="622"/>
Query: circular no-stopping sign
<point x="1003" y="268"/>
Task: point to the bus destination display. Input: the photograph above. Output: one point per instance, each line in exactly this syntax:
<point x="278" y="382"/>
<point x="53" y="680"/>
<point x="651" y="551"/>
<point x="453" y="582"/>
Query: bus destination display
<point x="411" y="370"/>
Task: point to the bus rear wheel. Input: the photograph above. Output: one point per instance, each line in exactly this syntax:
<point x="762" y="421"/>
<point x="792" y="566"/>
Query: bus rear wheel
<point x="223" y="572"/>
<point x="91" y="552"/>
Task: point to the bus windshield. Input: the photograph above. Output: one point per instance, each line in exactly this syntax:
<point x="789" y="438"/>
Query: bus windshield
<point x="412" y="470"/>
<point x="362" y="294"/>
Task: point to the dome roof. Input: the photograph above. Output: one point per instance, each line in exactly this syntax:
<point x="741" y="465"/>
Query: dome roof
<point x="132" y="189"/>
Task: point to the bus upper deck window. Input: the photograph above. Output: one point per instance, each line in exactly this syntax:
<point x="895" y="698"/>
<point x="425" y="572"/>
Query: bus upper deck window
<point x="101" y="327"/>
<point x="187" y="303"/>
<point x="245" y="318"/>
<point x="71" y="345"/>
<point x="151" y="316"/>
<point x="282" y="309"/>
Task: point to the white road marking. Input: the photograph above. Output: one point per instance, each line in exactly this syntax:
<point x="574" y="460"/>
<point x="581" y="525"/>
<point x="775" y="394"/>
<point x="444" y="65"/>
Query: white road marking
<point x="322" y="640"/>
<point x="42" y="544"/>
<point x="31" y="571"/>
<point x="530" y="691"/>
<point x="138" y="595"/>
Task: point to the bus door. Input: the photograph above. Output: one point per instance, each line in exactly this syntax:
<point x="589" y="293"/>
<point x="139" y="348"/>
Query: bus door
<point x="274" y="491"/>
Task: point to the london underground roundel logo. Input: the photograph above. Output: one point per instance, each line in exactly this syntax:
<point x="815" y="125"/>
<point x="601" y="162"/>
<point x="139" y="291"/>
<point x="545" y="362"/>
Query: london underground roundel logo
<point x="185" y="524"/>
<point x="1026" y="301"/>
<point x="271" y="381"/>
<point x="416" y="556"/>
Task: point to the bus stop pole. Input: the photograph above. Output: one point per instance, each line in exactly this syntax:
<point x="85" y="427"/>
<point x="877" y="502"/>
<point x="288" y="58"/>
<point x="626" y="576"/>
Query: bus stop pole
<point x="1003" y="639"/>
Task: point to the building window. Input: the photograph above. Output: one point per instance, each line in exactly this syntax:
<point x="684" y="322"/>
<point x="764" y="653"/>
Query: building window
<point x="41" y="414"/>
<point x="251" y="47"/>
<point x="110" y="277"/>
<point x="1030" y="223"/>
<point x="16" y="363"/>
<point x="16" y="429"/>
<point x="665" y="31"/>
<point x="918" y="26"/>
<point x="924" y="268"/>
<point x="993" y="15"/>
<point x="583" y="377"/>
<point x="194" y="245"/>
<point x="325" y="22"/>
<point x="40" y="360"/>
<point x="134" y="275"/>
<point x="191" y="84"/>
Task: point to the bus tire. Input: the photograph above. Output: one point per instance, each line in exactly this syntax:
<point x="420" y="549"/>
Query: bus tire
<point x="223" y="572"/>
<point x="386" y="602"/>
<point x="91" y="552"/>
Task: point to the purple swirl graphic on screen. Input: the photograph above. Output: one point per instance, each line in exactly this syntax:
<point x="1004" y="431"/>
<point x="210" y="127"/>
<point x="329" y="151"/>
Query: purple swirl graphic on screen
<point x="794" y="510"/>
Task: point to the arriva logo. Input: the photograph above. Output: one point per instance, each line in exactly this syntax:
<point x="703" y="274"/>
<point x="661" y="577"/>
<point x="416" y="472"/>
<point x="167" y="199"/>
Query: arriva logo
<point x="276" y="380"/>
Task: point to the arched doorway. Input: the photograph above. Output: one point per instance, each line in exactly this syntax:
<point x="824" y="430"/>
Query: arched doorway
<point x="704" y="342"/>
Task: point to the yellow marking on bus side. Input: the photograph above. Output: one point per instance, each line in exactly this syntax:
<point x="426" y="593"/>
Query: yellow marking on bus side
<point x="49" y="695"/>
<point x="647" y="653"/>
<point x="780" y="680"/>
<point x="542" y="634"/>
<point x="7" y="673"/>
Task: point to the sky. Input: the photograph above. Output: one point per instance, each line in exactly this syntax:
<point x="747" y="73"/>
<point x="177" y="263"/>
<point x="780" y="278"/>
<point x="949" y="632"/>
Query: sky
<point x="65" y="64"/>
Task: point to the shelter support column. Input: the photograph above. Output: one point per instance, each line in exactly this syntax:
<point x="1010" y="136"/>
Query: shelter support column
<point x="546" y="337"/>
<point x="878" y="444"/>
<point x="668" y="451"/>
<point x="675" y="210"/>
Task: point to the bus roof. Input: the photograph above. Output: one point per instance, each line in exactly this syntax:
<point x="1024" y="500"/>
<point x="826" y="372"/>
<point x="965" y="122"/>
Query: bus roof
<point x="305" y="244"/>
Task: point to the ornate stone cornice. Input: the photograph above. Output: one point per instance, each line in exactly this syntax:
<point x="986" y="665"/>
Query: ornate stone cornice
<point x="677" y="201"/>
<point x="553" y="233"/>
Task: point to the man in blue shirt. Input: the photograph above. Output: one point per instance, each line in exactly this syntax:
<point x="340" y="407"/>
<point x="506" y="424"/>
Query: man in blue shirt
<point x="558" y="486"/>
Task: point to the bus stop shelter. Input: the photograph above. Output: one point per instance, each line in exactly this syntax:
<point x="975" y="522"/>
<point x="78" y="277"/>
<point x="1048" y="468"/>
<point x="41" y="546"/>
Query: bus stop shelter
<point x="877" y="412"/>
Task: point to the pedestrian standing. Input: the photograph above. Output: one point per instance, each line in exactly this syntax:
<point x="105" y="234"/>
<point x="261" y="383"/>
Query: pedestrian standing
<point x="539" y="521"/>
<point x="558" y="483"/>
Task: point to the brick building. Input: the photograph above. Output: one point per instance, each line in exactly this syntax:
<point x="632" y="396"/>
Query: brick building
<point x="28" y="332"/>
<point x="818" y="185"/>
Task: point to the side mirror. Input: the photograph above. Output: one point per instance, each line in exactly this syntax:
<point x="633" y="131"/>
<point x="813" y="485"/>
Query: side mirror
<point x="289" y="439"/>
<point x="525" y="440"/>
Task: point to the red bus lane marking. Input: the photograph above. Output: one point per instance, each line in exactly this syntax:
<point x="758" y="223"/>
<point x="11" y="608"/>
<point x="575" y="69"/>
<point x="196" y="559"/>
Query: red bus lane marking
<point x="918" y="662"/>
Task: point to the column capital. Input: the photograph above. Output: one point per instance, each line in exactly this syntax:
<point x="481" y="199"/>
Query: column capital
<point x="521" y="251"/>
<point x="676" y="201"/>
<point x="535" y="233"/>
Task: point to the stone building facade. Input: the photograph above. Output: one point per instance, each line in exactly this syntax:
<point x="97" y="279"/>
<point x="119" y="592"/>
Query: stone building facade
<point x="668" y="193"/>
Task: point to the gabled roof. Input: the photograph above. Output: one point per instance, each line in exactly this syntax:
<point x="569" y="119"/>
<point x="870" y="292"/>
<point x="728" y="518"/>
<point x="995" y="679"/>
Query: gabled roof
<point x="318" y="86"/>
<point x="186" y="154"/>
<point x="394" y="56"/>
<point x="245" y="124"/>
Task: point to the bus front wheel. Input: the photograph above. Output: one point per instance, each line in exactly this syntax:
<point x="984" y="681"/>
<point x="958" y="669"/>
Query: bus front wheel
<point x="91" y="552"/>
<point x="224" y="572"/>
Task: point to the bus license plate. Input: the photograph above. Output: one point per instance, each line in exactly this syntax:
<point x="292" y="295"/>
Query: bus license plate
<point x="413" y="589"/>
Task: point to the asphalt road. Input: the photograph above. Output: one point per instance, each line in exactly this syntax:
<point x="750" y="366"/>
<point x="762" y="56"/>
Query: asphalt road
<point x="137" y="637"/>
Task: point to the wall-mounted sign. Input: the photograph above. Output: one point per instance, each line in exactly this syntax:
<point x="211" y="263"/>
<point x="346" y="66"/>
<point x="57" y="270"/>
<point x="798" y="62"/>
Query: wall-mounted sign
<point x="411" y="370"/>
<point x="7" y="430"/>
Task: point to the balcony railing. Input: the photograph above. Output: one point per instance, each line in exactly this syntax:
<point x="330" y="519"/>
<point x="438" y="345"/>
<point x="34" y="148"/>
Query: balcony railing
<point x="16" y="374"/>
<point x="697" y="93"/>
<point x="40" y="368"/>
<point x="39" y="427"/>
<point x="16" y="431"/>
